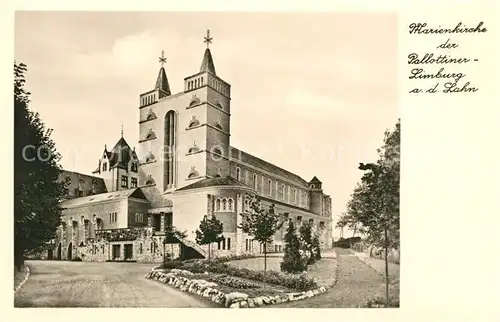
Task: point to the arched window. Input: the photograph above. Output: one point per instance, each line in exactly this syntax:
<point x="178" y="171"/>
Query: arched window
<point x="224" y="205"/>
<point x="230" y="205"/>
<point x="217" y="205"/>
<point x="255" y="181"/>
<point x="169" y="144"/>
<point x="270" y="187"/>
<point x="217" y="125"/>
<point x="150" y="157"/>
<point x="217" y="151"/>
<point x="238" y="174"/>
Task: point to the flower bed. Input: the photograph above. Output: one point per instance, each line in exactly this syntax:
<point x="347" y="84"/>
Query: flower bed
<point x="299" y="282"/>
<point x="233" y="282"/>
<point x="190" y="282"/>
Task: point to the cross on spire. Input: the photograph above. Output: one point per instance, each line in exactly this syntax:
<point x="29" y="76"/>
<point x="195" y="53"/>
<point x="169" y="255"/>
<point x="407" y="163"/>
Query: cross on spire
<point x="163" y="59"/>
<point x="208" y="39"/>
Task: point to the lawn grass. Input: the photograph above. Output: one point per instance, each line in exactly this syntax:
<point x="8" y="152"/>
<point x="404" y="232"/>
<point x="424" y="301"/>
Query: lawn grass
<point x="263" y="289"/>
<point x="323" y="271"/>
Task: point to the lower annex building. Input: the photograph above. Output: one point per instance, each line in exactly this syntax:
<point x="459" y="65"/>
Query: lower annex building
<point x="185" y="168"/>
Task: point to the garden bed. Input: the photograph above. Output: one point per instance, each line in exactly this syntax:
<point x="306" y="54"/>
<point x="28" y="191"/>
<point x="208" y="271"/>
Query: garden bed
<point x="324" y="271"/>
<point x="240" y="295"/>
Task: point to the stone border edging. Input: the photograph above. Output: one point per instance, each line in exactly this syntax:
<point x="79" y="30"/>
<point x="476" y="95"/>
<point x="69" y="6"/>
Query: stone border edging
<point x="209" y="291"/>
<point x="26" y="276"/>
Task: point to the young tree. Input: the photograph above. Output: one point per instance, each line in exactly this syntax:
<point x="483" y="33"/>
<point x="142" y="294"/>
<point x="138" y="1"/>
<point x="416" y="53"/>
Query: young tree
<point x="37" y="191"/>
<point x="306" y="241"/>
<point x="292" y="261"/>
<point x="374" y="205"/>
<point x="316" y="247"/>
<point x="210" y="231"/>
<point x="261" y="223"/>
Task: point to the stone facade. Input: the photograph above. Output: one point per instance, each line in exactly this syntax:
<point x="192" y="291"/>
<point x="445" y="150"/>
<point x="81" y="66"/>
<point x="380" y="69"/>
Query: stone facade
<point x="129" y="244"/>
<point x="185" y="168"/>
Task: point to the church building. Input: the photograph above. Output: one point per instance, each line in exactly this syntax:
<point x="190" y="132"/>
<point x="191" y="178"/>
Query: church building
<point x="185" y="168"/>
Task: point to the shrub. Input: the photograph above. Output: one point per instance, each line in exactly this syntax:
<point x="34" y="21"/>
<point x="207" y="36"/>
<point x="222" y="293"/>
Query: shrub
<point x="292" y="260"/>
<point x="298" y="282"/>
<point x="316" y="248"/>
<point x="228" y="258"/>
<point x="233" y="282"/>
<point x="172" y="264"/>
<point x="379" y="302"/>
<point x="347" y="242"/>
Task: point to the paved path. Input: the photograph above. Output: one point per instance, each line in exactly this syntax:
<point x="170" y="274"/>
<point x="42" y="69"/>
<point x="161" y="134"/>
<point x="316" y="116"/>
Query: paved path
<point x="356" y="284"/>
<point x="85" y="284"/>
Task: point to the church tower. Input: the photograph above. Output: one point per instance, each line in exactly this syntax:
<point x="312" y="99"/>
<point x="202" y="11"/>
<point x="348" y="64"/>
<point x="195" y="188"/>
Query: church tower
<point x="184" y="137"/>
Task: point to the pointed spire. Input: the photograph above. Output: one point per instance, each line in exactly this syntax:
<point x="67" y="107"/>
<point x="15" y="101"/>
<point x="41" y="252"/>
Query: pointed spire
<point x="207" y="65"/>
<point x="122" y="130"/>
<point x="162" y="81"/>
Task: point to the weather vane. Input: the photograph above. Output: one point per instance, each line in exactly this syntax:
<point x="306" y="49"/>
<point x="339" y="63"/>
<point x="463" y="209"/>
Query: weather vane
<point x="162" y="60"/>
<point x="208" y="39"/>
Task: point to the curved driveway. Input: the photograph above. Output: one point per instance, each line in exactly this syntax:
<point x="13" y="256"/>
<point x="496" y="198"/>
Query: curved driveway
<point x="86" y="284"/>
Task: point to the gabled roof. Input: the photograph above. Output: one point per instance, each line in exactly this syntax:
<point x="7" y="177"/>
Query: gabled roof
<point x="267" y="166"/>
<point x="315" y="180"/>
<point x="207" y="65"/>
<point x="162" y="82"/>
<point x="109" y="196"/>
<point x="121" y="154"/>
<point x="213" y="182"/>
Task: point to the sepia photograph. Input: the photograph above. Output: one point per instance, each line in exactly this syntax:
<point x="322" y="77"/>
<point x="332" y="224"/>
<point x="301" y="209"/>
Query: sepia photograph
<point x="206" y="160"/>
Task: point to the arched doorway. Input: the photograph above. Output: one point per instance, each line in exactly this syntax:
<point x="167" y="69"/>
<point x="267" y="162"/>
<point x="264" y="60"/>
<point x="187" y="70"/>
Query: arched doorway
<point x="70" y="251"/>
<point x="50" y="254"/>
<point x="59" y="257"/>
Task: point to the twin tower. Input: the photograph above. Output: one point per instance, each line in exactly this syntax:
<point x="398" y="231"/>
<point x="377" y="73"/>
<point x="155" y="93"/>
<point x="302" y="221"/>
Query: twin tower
<point x="185" y="136"/>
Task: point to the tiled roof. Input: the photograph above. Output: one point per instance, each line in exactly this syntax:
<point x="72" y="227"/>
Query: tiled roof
<point x="109" y="196"/>
<point x="244" y="157"/>
<point x="156" y="197"/>
<point x="315" y="180"/>
<point x="121" y="154"/>
<point x="162" y="82"/>
<point x="207" y="65"/>
<point x="213" y="182"/>
<point x="72" y="180"/>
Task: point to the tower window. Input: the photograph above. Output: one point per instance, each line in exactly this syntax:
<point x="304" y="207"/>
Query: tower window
<point x="104" y="166"/>
<point x="255" y="181"/>
<point x="169" y="144"/>
<point x="133" y="167"/>
<point x="270" y="186"/>
<point x="238" y="174"/>
<point x="133" y="182"/>
<point x="124" y="182"/>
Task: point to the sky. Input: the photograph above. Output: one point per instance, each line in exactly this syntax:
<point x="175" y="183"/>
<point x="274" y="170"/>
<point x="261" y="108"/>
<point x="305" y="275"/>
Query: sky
<point x="311" y="92"/>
